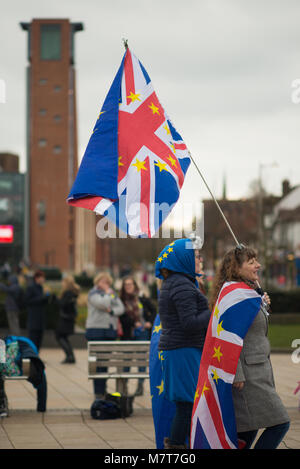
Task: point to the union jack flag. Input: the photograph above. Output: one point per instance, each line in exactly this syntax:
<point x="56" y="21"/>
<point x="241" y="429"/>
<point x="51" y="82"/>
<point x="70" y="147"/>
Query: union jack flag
<point x="135" y="162"/>
<point x="213" y="419"/>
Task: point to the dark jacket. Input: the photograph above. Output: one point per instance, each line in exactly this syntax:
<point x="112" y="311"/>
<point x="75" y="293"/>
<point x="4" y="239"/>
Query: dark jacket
<point x="148" y="315"/>
<point x="13" y="291"/>
<point x="68" y="313"/>
<point x="37" y="375"/>
<point x="36" y="302"/>
<point x="184" y="313"/>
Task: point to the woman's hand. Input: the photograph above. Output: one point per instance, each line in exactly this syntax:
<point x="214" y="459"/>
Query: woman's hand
<point x="239" y="385"/>
<point x="267" y="298"/>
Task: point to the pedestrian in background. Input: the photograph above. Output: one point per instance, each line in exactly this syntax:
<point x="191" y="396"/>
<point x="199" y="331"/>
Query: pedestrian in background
<point x="36" y="301"/>
<point x="67" y="316"/>
<point x="104" y="309"/>
<point x="12" y="303"/>
<point x="137" y="319"/>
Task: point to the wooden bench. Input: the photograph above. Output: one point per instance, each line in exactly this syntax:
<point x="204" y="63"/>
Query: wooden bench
<point x="115" y="356"/>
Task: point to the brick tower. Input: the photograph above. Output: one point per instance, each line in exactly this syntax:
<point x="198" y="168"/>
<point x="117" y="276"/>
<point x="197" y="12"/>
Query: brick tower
<point x="51" y="142"/>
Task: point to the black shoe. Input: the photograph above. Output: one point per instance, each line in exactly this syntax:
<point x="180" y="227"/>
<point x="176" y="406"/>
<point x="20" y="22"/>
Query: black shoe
<point x="69" y="360"/>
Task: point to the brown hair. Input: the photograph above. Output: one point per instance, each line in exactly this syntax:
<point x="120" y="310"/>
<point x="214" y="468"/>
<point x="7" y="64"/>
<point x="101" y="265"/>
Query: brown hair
<point x="228" y="270"/>
<point x="123" y="293"/>
<point x="38" y="274"/>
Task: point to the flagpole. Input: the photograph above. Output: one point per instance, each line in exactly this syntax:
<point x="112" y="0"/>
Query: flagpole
<point x="215" y="200"/>
<point x="218" y="206"/>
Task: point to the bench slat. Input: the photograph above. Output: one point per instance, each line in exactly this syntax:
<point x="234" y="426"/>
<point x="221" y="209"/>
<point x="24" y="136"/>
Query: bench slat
<point x="118" y="355"/>
<point x="121" y="356"/>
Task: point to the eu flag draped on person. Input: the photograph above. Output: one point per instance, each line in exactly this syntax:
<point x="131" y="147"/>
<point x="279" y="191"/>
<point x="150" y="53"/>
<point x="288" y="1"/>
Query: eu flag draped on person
<point x="135" y="162"/>
<point x="163" y="411"/>
<point x="177" y="256"/>
<point x="213" y="420"/>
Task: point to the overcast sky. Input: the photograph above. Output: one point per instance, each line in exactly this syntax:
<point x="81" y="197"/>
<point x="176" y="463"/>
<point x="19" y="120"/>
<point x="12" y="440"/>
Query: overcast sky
<point x="223" y="70"/>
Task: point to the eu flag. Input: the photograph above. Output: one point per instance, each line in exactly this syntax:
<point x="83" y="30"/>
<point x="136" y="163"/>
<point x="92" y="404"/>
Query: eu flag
<point x="163" y="410"/>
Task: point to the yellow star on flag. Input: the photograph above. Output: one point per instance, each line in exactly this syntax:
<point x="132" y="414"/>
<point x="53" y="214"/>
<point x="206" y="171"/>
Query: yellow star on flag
<point x="101" y="112"/>
<point x="160" y="259"/>
<point x="215" y="376"/>
<point x="205" y="388"/>
<point x="173" y="147"/>
<point x="139" y="165"/>
<point x="216" y="311"/>
<point x="196" y="394"/>
<point x="162" y="166"/>
<point x="165" y="254"/>
<point x="157" y="328"/>
<point x="134" y="97"/>
<point x="166" y="127"/>
<point x="154" y="109"/>
<point x="160" y="355"/>
<point x="172" y="160"/>
<point x="220" y="328"/>
<point x="170" y="250"/>
<point x="218" y="354"/>
<point x="161" y="387"/>
<point x="120" y="162"/>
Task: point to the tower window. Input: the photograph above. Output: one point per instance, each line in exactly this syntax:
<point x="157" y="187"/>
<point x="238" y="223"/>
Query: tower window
<point x="41" y="208"/>
<point x="57" y="118"/>
<point x="42" y="142"/>
<point x="50" y="42"/>
<point x="57" y="149"/>
<point x="42" y="112"/>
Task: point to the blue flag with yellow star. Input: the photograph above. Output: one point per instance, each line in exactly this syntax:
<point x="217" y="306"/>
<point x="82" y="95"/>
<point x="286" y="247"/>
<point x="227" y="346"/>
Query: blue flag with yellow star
<point x="163" y="411"/>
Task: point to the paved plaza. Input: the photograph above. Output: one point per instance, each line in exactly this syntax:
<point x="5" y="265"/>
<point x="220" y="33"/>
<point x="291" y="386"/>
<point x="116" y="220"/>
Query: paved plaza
<point x="68" y="424"/>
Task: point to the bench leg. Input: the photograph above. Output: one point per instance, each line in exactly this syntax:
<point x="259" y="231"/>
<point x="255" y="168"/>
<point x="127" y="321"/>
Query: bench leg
<point x="121" y="386"/>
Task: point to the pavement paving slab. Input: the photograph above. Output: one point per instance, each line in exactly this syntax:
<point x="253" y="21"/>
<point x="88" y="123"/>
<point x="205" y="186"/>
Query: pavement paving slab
<point x="67" y="424"/>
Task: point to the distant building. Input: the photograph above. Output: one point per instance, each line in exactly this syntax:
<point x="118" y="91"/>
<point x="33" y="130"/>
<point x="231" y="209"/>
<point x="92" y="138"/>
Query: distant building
<point x="11" y="210"/>
<point x="244" y="217"/>
<point x="9" y="163"/>
<point x="51" y="142"/>
<point x="286" y="223"/>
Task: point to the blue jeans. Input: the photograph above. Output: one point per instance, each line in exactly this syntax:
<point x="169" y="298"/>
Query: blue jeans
<point x="269" y="439"/>
<point x="100" y="334"/>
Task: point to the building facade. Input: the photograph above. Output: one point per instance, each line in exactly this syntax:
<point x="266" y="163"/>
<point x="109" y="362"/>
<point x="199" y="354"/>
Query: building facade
<point x="11" y="217"/>
<point x="50" y="224"/>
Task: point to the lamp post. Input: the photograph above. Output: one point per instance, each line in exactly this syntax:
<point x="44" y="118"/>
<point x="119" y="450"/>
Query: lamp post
<point x="261" y="230"/>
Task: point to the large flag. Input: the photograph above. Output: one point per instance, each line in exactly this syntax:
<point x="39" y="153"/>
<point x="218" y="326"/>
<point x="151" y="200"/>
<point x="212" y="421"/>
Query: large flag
<point x="213" y="419"/>
<point x="135" y="162"/>
<point x="163" y="411"/>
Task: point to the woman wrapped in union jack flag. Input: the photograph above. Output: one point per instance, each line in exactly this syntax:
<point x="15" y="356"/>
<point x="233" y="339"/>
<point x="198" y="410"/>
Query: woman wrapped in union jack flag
<point x="256" y="402"/>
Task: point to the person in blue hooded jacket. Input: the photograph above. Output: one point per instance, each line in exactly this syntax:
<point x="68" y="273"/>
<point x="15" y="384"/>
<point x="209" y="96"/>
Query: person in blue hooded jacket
<point x="184" y="315"/>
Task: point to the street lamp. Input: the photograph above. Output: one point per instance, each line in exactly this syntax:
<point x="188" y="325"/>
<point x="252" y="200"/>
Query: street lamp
<point x="261" y="237"/>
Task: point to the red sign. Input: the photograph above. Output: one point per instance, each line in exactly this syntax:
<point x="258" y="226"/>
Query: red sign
<point x="6" y="233"/>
